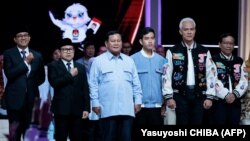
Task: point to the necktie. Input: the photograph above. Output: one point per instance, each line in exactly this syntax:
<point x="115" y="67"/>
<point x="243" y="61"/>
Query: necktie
<point x="69" y="67"/>
<point x="23" y="53"/>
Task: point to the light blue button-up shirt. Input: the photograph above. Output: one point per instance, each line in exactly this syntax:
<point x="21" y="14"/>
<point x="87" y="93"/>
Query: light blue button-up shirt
<point x="150" y="70"/>
<point x="114" y="85"/>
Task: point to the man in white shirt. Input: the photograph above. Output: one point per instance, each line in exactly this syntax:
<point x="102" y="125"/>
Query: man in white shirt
<point x="188" y="82"/>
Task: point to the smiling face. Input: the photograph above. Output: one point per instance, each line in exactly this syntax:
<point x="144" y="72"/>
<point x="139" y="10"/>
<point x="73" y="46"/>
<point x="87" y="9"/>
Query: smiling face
<point x="76" y="15"/>
<point x="227" y="45"/>
<point x="22" y="39"/>
<point x="114" y="44"/>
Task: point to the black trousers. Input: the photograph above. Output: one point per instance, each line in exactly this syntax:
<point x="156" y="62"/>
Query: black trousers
<point x="117" y="128"/>
<point x="93" y="130"/>
<point x="71" y="126"/>
<point x="149" y="116"/>
<point x="19" y="121"/>
<point x="226" y="114"/>
<point x="189" y="108"/>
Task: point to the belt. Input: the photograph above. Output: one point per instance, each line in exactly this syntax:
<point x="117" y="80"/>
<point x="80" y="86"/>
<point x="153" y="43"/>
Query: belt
<point x="190" y="87"/>
<point x="157" y="105"/>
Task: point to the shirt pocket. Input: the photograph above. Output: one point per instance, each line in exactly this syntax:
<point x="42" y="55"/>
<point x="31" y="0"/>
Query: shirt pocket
<point x="142" y="71"/>
<point x="159" y="71"/>
<point x="128" y="75"/>
<point x="107" y="75"/>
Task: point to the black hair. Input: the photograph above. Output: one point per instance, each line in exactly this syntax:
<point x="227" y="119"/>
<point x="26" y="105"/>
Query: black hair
<point x="112" y="32"/>
<point x="224" y="35"/>
<point x="145" y="31"/>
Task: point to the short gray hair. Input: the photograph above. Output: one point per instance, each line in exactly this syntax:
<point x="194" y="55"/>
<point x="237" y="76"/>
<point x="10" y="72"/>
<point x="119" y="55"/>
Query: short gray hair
<point x="187" y="19"/>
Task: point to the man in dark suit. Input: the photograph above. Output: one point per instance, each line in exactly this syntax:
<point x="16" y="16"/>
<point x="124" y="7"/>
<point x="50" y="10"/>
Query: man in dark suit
<point x="24" y="70"/>
<point x="71" y="102"/>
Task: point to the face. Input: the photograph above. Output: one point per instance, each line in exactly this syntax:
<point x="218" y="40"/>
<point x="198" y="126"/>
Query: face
<point x="187" y="31"/>
<point x="126" y="48"/>
<point x="67" y="52"/>
<point x="102" y="49"/>
<point x="89" y="51"/>
<point x="56" y="54"/>
<point x="22" y="39"/>
<point x="148" y="41"/>
<point x="161" y="51"/>
<point x="114" y="44"/>
<point x="227" y="45"/>
<point x="76" y="15"/>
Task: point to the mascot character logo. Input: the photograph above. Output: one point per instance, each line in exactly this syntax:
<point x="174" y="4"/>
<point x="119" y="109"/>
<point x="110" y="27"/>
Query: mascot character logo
<point x="74" y="24"/>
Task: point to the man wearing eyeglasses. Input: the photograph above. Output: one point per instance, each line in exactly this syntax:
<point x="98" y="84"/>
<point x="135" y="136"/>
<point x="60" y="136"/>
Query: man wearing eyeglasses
<point x="24" y="70"/>
<point x="71" y="102"/>
<point x="231" y="84"/>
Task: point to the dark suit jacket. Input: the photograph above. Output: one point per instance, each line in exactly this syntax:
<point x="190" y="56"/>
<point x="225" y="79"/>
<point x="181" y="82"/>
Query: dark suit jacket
<point x="71" y="94"/>
<point x="21" y="87"/>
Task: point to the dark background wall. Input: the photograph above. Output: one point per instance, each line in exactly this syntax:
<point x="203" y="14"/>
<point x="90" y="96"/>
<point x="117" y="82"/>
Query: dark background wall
<point x="44" y="34"/>
<point x="213" y="17"/>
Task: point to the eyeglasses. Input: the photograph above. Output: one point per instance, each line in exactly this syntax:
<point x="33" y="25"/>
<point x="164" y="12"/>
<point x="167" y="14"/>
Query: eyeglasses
<point x="228" y="43"/>
<point x="22" y="35"/>
<point x="67" y="50"/>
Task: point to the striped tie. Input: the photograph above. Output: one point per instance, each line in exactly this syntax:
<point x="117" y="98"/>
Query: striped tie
<point x="69" y="67"/>
<point x="23" y="53"/>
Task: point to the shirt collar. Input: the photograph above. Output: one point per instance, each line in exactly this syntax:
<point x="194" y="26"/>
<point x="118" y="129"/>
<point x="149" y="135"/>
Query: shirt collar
<point x="111" y="56"/>
<point x="193" y="45"/>
<point x="145" y="54"/>
<point x="65" y="62"/>
<point x="26" y="49"/>
<point x="228" y="58"/>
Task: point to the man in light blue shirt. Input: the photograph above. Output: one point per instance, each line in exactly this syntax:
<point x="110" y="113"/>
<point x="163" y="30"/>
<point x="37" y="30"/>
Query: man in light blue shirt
<point x="150" y="67"/>
<point x="115" y="90"/>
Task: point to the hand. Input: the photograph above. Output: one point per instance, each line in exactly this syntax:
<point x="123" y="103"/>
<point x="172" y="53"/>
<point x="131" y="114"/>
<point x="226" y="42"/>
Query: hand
<point x="85" y="114"/>
<point x="171" y="103"/>
<point x="52" y="17"/>
<point x="230" y="98"/>
<point x="163" y="110"/>
<point x="29" y="58"/>
<point x="74" y="71"/>
<point x="97" y="110"/>
<point x="207" y="104"/>
<point x="137" y="108"/>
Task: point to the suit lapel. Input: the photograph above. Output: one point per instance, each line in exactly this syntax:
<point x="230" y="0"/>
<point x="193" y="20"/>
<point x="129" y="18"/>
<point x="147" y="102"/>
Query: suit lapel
<point x="17" y="54"/>
<point x="32" y="64"/>
<point x="61" y="65"/>
<point x="76" y="65"/>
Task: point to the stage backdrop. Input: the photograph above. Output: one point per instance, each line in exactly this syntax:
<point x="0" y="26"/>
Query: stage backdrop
<point x="127" y="16"/>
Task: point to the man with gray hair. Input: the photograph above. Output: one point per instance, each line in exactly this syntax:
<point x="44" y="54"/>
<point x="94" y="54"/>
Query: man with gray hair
<point x="188" y="80"/>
